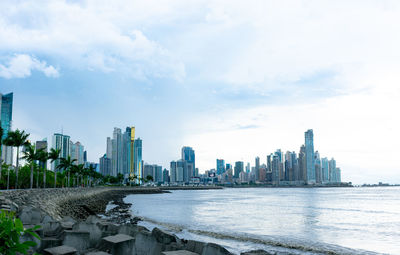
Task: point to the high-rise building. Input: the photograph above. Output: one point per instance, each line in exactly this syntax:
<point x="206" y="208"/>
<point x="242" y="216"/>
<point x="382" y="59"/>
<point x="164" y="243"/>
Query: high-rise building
<point x="318" y="167"/>
<point x="257" y="169"/>
<point x="77" y="151"/>
<point x="220" y="166"/>
<point x="275" y="170"/>
<point x="105" y="165"/>
<point x="228" y="166"/>
<point x="137" y="157"/>
<point x="6" y="104"/>
<point x="325" y="170"/>
<point x="332" y="171"/>
<point x="310" y="160"/>
<point x="116" y="157"/>
<point x="172" y="170"/>
<point x="165" y="178"/>
<point x="248" y="168"/>
<point x="239" y="166"/>
<point x="61" y="142"/>
<point x="42" y="145"/>
<point x="302" y="164"/>
<point x="188" y="156"/>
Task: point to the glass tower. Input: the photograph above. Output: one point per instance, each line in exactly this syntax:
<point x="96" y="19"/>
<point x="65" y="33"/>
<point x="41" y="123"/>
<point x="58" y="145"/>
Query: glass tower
<point x="310" y="160"/>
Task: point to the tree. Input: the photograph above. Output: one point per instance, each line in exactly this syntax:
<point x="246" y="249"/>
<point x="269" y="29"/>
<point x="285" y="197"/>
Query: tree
<point x="53" y="155"/>
<point x="30" y="155"/>
<point x="149" y="178"/>
<point x="1" y="143"/>
<point x="66" y="165"/>
<point x="17" y="139"/>
<point x="42" y="157"/>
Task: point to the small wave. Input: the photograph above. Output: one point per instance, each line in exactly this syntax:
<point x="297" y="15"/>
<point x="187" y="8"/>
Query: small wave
<point x="274" y="241"/>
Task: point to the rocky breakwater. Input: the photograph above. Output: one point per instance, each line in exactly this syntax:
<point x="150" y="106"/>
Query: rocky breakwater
<point x="70" y="224"/>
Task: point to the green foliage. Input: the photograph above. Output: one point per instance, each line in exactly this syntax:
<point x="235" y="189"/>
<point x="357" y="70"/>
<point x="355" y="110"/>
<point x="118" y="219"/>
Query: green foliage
<point x="11" y="229"/>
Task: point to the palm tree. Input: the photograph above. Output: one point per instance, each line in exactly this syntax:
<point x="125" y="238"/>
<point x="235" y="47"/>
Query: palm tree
<point x="30" y="155"/>
<point x="1" y="143"/>
<point x="17" y="139"/>
<point x="66" y="165"/>
<point x="53" y="155"/>
<point x="42" y="157"/>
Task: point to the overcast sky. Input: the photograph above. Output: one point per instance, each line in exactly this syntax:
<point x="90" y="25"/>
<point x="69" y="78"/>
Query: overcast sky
<point x="232" y="79"/>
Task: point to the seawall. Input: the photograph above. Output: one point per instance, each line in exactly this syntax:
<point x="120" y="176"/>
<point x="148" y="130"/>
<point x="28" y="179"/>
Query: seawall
<point x="71" y="224"/>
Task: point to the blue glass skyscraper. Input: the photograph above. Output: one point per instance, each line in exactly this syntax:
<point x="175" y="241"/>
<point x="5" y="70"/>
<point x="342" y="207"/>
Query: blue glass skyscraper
<point x="220" y="166"/>
<point x="310" y="160"/>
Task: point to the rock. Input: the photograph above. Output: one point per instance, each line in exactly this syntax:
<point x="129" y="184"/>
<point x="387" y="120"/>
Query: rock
<point x="92" y="219"/>
<point x="163" y="237"/>
<point x="30" y="215"/>
<point x="256" y="252"/>
<point x="78" y="239"/>
<point x="129" y="229"/>
<point x="67" y="225"/>
<point x="214" y="249"/>
<point x="119" y="244"/>
<point x="61" y="250"/>
<point x="180" y="252"/>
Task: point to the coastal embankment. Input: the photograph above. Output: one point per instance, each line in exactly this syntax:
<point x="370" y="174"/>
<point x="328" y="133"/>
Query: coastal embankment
<point x="76" y="221"/>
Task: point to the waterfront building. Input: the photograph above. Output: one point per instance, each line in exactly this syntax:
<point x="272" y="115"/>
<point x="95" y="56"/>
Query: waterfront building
<point x="180" y="167"/>
<point x="172" y="170"/>
<point x="61" y="142"/>
<point x="228" y="166"/>
<point x="332" y="171"/>
<point x="165" y="178"/>
<point x="302" y="164"/>
<point x="257" y="168"/>
<point x="318" y="168"/>
<point x="109" y="148"/>
<point x="137" y="157"/>
<point x="76" y="152"/>
<point x="116" y="157"/>
<point x="239" y="166"/>
<point x="42" y="145"/>
<point x="269" y="161"/>
<point x="248" y="168"/>
<point x="275" y="170"/>
<point x="325" y="170"/>
<point x="295" y="167"/>
<point x="105" y="165"/>
<point x="188" y="156"/>
<point x="84" y="156"/>
<point x="278" y="152"/>
<point x="6" y="106"/>
<point x="220" y="166"/>
<point x="263" y="174"/>
<point x="310" y="160"/>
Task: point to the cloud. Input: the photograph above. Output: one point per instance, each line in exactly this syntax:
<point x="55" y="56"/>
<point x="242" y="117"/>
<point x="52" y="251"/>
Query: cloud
<point x="22" y="65"/>
<point x="88" y="36"/>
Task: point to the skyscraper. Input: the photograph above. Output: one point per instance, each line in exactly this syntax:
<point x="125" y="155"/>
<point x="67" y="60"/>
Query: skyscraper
<point x="105" y="165"/>
<point x="257" y="172"/>
<point x="220" y="166"/>
<point x="42" y="145"/>
<point x="116" y="157"/>
<point x="60" y="142"/>
<point x="239" y="167"/>
<point x="137" y="158"/>
<point x="310" y="160"/>
<point x="188" y="156"/>
<point x="6" y="104"/>
<point x="325" y="170"/>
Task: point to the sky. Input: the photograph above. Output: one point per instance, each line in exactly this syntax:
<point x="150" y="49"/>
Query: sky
<point x="232" y="79"/>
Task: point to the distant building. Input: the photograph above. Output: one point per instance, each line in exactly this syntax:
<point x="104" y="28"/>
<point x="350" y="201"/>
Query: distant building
<point x="6" y="105"/>
<point x="257" y="169"/>
<point x="188" y="156"/>
<point x="239" y="167"/>
<point x="325" y="170"/>
<point x="310" y="160"/>
<point x="60" y="142"/>
<point x="220" y="166"/>
<point x="42" y="145"/>
<point x="165" y="176"/>
<point x="105" y="165"/>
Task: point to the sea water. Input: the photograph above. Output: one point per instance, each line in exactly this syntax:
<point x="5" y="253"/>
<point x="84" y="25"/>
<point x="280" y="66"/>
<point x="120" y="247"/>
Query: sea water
<point x="295" y="220"/>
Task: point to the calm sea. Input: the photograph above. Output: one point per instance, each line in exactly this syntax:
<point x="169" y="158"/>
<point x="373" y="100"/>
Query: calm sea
<point x="295" y="220"/>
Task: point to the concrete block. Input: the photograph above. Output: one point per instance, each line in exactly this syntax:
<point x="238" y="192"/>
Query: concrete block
<point x="214" y="249"/>
<point x="97" y="253"/>
<point x="61" y="250"/>
<point x="50" y="226"/>
<point x="48" y="242"/>
<point x="163" y="237"/>
<point x="119" y="244"/>
<point x="78" y="239"/>
<point x="146" y="244"/>
<point x="180" y="252"/>
<point x="94" y="231"/>
<point x="194" y="246"/>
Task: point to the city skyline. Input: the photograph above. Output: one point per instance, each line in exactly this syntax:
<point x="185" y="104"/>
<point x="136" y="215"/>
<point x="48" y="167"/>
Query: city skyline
<point x="231" y="79"/>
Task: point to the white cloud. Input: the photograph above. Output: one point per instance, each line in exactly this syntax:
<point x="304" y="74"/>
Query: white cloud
<point x="22" y="65"/>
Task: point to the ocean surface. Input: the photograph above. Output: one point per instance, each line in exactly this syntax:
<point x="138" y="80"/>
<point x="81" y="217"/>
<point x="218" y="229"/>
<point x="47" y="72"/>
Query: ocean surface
<point x="295" y="220"/>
